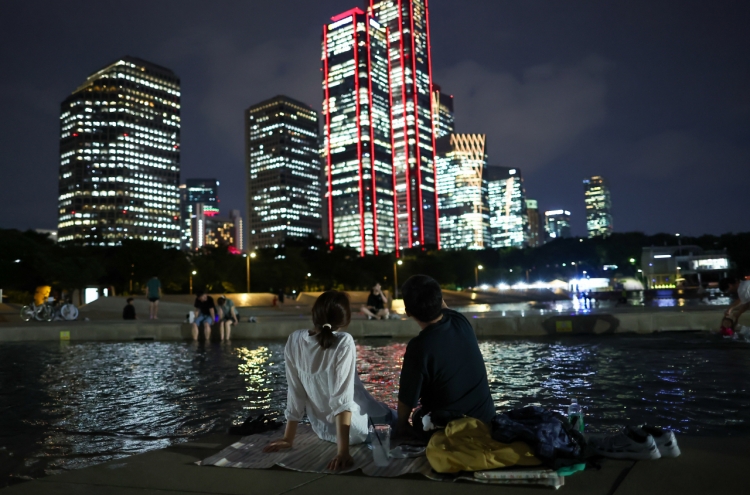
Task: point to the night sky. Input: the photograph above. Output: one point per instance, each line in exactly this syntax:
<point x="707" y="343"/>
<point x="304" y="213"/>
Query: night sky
<point x="652" y="94"/>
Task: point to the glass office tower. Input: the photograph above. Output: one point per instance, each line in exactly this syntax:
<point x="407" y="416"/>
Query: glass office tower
<point x="282" y="160"/>
<point x="443" y="121"/>
<point x="509" y="222"/>
<point x="557" y="224"/>
<point x="192" y="193"/>
<point x="411" y="116"/>
<point x="462" y="191"/>
<point x="357" y="139"/>
<point x="120" y="157"/>
<point x="598" y="206"/>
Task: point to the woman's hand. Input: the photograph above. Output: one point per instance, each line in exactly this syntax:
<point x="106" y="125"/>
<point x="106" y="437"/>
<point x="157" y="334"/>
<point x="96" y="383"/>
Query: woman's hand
<point x="277" y="445"/>
<point x="341" y="461"/>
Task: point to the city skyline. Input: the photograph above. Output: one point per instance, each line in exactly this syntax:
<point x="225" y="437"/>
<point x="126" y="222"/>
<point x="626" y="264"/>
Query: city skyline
<point x="650" y="155"/>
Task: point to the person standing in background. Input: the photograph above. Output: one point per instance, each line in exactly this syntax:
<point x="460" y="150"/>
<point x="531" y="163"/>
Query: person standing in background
<point x="153" y="293"/>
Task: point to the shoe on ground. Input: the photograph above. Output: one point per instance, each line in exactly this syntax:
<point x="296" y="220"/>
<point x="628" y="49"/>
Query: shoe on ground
<point x="665" y="440"/>
<point x="631" y="443"/>
<point x="370" y="317"/>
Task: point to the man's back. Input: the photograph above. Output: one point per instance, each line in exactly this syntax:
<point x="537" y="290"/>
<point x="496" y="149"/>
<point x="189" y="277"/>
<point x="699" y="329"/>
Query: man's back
<point x="444" y="367"/>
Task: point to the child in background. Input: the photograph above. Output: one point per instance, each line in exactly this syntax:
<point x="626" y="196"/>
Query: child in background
<point x="734" y="330"/>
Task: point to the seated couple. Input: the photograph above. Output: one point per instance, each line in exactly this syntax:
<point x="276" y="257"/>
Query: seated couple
<point x="443" y="369"/>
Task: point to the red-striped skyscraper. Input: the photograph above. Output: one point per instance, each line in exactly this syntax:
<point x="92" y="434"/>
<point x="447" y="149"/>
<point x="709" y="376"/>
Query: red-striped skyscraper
<point x="413" y="134"/>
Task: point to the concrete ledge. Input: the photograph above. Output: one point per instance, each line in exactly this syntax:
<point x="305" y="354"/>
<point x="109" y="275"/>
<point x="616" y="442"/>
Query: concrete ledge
<point x="486" y="325"/>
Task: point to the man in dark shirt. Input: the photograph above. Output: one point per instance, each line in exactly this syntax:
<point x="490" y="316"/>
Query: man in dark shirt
<point x="205" y="312"/>
<point x="443" y="366"/>
<point x="128" y="312"/>
<point x="375" y="307"/>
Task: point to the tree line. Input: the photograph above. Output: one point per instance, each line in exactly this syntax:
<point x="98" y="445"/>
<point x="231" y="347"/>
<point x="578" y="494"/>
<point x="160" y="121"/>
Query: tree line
<point x="29" y="259"/>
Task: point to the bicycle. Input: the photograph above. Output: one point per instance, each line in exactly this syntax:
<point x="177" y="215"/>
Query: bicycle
<point x="49" y="310"/>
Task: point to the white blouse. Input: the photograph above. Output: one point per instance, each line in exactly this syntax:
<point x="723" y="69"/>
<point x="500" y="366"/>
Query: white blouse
<point x="321" y="382"/>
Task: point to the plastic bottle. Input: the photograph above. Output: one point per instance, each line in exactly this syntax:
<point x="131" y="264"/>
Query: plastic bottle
<point x="575" y="415"/>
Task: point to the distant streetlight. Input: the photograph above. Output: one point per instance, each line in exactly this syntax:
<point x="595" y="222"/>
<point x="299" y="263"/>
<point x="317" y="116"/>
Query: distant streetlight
<point x="247" y="270"/>
<point x="395" y="278"/>
<point x="191" y="280"/>
<point x="476" y="274"/>
<point x="309" y="274"/>
<point x="632" y="260"/>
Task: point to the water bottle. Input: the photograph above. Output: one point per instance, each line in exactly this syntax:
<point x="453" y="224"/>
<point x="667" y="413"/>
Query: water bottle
<point x="575" y="415"/>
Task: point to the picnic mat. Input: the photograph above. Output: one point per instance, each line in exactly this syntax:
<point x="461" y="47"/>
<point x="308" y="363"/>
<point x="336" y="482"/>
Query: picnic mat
<point x="310" y="454"/>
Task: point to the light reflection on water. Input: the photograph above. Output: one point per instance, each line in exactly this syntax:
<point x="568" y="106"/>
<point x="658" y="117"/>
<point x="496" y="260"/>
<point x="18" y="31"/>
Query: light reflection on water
<point x="64" y="406"/>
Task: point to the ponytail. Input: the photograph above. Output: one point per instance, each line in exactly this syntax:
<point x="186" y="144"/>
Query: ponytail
<point x="330" y="313"/>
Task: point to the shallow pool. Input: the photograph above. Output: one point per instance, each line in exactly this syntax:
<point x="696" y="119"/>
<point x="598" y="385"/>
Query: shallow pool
<point x="66" y="406"/>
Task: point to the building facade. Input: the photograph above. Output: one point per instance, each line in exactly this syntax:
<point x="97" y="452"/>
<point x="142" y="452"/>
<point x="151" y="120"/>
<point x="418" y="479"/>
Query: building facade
<point x="357" y="139"/>
<point x="282" y="159"/>
<point x="462" y="191"/>
<point x="536" y="231"/>
<point x="557" y="224"/>
<point x="669" y="267"/>
<point x="193" y="192"/>
<point x="224" y="231"/>
<point x="598" y="207"/>
<point x="509" y="221"/>
<point x="443" y="120"/>
<point x="411" y="119"/>
<point x="120" y="157"/>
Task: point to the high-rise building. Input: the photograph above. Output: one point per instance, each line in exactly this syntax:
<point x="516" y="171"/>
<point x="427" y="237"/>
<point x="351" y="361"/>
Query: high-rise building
<point x="357" y="139"/>
<point x="411" y="115"/>
<point x="223" y="231"/>
<point x="284" y="195"/>
<point x="557" y="224"/>
<point x="598" y="206"/>
<point x="536" y="232"/>
<point x="509" y="221"/>
<point x="120" y="156"/>
<point x="443" y="121"/>
<point x="462" y="191"/>
<point x="193" y="192"/>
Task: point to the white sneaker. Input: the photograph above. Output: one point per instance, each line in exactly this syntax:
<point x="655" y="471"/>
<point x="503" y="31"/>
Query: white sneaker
<point x="630" y="443"/>
<point x="665" y="440"/>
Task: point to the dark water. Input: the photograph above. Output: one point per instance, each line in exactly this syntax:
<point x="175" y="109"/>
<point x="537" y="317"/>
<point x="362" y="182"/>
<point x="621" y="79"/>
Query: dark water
<point x="66" y="406"/>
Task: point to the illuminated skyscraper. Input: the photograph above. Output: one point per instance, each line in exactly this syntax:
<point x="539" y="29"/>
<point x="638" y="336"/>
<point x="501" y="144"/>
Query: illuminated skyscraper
<point x="443" y="121"/>
<point x="357" y="139"/>
<point x="462" y="191"/>
<point x="196" y="191"/>
<point x="598" y="205"/>
<point x="284" y="194"/>
<point x="536" y="233"/>
<point x="509" y="222"/>
<point x="407" y="24"/>
<point x="120" y="157"/>
<point x="557" y="224"/>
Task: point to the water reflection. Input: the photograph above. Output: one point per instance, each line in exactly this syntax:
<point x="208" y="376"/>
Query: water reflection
<point x="69" y="406"/>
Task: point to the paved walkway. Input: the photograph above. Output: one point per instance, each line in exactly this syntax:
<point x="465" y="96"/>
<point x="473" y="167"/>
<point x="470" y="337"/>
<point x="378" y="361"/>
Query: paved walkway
<point x="707" y="466"/>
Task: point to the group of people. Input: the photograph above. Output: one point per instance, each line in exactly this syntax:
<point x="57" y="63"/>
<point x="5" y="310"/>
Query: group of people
<point x="153" y="294"/>
<point x="205" y="313"/>
<point x="443" y="369"/>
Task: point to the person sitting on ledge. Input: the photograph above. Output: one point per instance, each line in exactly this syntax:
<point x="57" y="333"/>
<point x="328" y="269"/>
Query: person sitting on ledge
<point x="322" y="381"/>
<point x="205" y="314"/>
<point x="443" y="366"/>
<point x="740" y="288"/>
<point x="375" y="308"/>
<point x="128" y="312"/>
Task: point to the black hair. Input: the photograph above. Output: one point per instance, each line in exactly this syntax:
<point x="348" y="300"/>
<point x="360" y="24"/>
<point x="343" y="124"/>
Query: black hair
<point x="330" y="312"/>
<point x="129" y="300"/>
<point x="423" y="298"/>
<point x="200" y="293"/>
<point x="221" y="300"/>
<point x="724" y="283"/>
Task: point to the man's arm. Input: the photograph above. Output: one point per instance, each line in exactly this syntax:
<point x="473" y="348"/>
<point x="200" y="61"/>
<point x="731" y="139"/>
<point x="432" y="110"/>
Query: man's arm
<point x="404" y="411"/>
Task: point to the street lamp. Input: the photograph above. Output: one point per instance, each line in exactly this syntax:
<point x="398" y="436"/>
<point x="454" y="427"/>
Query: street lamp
<point x="247" y="271"/>
<point x="395" y="278"/>
<point x="476" y="274"/>
<point x="191" y="280"/>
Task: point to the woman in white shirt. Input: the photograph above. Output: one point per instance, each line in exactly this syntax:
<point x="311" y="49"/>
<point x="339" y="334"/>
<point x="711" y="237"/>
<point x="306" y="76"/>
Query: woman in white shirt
<point x="321" y="373"/>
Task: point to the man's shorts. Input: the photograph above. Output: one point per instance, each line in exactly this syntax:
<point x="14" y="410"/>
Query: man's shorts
<point x="153" y="299"/>
<point x="200" y="320"/>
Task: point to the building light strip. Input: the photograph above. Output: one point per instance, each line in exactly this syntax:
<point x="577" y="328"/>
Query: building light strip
<point x="328" y="138"/>
<point x="355" y="48"/>
<point x="393" y="147"/>
<point x="372" y="142"/>
<point x="406" y="133"/>
<point x="416" y="125"/>
<point x="434" y="144"/>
